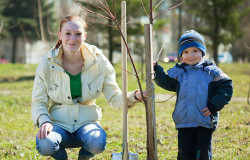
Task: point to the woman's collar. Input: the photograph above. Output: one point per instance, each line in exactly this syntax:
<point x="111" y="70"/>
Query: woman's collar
<point x="87" y="51"/>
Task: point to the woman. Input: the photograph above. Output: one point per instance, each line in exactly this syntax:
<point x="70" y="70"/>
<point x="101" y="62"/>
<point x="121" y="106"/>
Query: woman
<point x="72" y="75"/>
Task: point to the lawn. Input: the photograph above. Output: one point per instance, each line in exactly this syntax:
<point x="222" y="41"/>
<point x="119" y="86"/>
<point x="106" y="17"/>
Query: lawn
<point x="17" y="132"/>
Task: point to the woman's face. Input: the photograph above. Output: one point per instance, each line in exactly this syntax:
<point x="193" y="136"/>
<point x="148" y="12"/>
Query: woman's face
<point x="72" y="35"/>
<point x="191" y="56"/>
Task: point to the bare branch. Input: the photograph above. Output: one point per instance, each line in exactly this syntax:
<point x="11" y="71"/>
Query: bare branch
<point x="13" y="26"/>
<point x="1" y="25"/>
<point x="158" y="4"/>
<point x="144" y="8"/>
<point x="96" y="6"/>
<point x="169" y="9"/>
<point x="123" y="69"/>
<point x="106" y="7"/>
<point x="127" y="22"/>
<point x="130" y="21"/>
<point x="166" y="99"/>
<point x="92" y="19"/>
<point x="114" y="8"/>
<point x="141" y="68"/>
<point x="160" y="52"/>
<point x="112" y="16"/>
<point x="24" y="35"/>
<point x="91" y="11"/>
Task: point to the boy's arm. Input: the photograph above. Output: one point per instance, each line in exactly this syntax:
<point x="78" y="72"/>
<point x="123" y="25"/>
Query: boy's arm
<point x="163" y="80"/>
<point x="223" y="94"/>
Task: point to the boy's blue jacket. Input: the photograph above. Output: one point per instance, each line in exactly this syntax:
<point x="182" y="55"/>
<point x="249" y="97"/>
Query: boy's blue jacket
<point x="199" y="86"/>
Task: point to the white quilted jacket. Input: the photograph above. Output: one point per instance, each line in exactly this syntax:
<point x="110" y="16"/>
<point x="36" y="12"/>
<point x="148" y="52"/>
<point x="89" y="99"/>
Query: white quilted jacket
<point x="51" y="96"/>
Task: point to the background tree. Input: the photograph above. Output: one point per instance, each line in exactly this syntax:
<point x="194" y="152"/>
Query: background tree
<point x="217" y="19"/>
<point x="134" y="15"/>
<point x="1" y="18"/>
<point x="241" y="46"/>
<point x="21" y="19"/>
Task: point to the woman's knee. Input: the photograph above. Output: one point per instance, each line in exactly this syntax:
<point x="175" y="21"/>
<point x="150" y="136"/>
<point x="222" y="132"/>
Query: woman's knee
<point x="93" y="137"/>
<point x="96" y="142"/>
<point x="48" y="145"/>
<point x="97" y="147"/>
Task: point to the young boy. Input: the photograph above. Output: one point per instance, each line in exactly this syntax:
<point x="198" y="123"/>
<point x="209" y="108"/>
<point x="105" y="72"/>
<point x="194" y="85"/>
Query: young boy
<point x="202" y="90"/>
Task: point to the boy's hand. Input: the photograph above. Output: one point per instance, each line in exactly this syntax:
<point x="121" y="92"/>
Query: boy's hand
<point x="206" y="112"/>
<point x="154" y="63"/>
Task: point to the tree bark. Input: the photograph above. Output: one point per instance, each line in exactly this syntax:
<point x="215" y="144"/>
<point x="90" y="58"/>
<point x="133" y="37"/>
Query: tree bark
<point x="216" y="33"/>
<point x="150" y="105"/>
<point x="14" y="42"/>
<point x="110" y="42"/>
<point x="180" y="31"/>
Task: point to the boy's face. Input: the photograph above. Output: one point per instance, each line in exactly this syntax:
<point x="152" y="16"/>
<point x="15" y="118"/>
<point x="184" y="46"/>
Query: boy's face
<point x="191" y="56"/>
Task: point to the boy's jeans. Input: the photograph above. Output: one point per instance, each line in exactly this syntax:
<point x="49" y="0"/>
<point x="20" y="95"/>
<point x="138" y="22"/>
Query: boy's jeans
<point x="194" y="143"/>
<point x="91" y="137"/>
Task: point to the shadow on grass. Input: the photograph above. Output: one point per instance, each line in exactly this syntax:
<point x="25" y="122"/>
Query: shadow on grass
<point x="16" y="79"/>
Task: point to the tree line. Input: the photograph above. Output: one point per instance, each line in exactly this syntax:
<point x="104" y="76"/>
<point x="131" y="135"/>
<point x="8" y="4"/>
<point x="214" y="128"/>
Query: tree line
<point x="222" y="22"/>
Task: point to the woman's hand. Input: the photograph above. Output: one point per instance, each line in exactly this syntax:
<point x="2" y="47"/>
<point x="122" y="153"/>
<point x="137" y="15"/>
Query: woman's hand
<point x="206" y="112"/>
<point x="44" y="130"/>
<point x="138" y="95"/>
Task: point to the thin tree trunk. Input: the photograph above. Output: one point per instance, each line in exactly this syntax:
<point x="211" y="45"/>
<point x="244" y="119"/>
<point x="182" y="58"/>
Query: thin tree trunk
<point x="150" y="105"/>
<point x="1" y="26"/>
<point x="180" y="30"/>
<point x="41" y="21"/>
<point x="216" y="33"/>
<point x="14" y="42"/>
<point x="110" y="42"/>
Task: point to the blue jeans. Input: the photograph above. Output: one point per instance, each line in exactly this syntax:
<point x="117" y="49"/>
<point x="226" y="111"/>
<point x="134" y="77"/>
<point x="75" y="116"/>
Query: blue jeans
<point x="91" y="137"/>
<point x="194" y="143"/>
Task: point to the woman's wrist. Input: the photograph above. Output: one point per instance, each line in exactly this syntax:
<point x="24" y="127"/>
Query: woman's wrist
<point x="135" y="95"/>
<point x="137" y="90"/>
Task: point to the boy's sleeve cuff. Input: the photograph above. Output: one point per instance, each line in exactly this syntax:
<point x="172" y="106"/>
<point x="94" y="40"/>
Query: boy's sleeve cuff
<point x="42" y="119"/>
<point x="156" y="66"/>
<point x="211" y="107"/>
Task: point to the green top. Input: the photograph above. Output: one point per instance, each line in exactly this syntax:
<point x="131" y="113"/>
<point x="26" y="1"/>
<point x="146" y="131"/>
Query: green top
<point x="75" y="85"/>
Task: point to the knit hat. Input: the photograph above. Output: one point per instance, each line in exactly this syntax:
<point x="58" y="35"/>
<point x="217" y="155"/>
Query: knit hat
<point x="191" y="38"/>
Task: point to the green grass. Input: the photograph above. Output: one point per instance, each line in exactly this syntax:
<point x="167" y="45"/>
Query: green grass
<point x="17" y="132"/>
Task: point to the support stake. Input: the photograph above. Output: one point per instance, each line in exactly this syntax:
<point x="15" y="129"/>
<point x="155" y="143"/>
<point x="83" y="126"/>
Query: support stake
<point x="124" y="155"/>
<point x="150" y="106"/>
